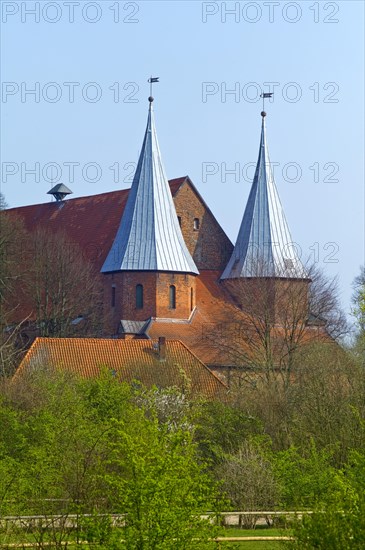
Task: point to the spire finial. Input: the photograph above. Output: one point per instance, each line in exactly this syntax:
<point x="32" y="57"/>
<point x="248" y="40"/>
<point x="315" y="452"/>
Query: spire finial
<point x="152" y="80"/>
<point x="264" y="96"/>
<point x="264" y="247"/>
<point x="149" y="237"/>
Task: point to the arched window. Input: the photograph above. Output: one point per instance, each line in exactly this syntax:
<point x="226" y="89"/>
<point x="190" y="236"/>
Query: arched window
<point x="196" y="224"/>
<point x="172" y="297"/>
<point x="139" y="297"/>
<point x="191" y="299"/>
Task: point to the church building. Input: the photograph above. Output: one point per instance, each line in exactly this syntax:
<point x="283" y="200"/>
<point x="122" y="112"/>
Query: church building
<point x="168" y="269"/>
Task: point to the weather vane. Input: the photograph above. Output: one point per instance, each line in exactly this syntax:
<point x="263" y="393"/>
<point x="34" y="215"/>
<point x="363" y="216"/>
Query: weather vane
<point x="265" y="95"/>
<point x="152" y="80"/>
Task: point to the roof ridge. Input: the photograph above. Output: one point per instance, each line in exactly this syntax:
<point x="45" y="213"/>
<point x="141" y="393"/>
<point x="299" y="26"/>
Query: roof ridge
<point x="203" y="364"/>
<point x="95" y="195"/>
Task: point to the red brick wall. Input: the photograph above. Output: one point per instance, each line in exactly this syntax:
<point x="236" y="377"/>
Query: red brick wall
<point x="156" y="297"/>
<point x="283" y="298"/>
<point x="209" y="245"/>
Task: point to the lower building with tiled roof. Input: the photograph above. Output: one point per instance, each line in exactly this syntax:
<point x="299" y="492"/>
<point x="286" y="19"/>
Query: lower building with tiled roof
<point x="153" y="363"/>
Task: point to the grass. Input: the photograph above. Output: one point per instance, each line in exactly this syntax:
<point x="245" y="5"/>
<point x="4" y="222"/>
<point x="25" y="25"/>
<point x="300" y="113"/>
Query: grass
<point x="255" y="545"/>
<point x="23" y="537"/>
<point x="252" y="545"/>
<point x="259" y="531"/>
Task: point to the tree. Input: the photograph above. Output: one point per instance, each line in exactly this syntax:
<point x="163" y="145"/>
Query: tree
<point x="338" y="522"/>
<point x="327" y="399"/>
<point x="70" y="446"/>
<point x="248" y="479"/>
<point x="47" y="288"/>
<point x="51" y="456"/>
<point x="324" y="401"/>
<point x="63" y="288"/>
<point x="12" y="234"/>
<point x="159" y="484"/>
<point x="278" y="316"/>
<point x="324" y="304"/>
<point x="358" y="311"/>
<point x="221" y="428"/>
<point x="304" y="476"/>
<point x="55" y="441"/>
<point x="3" y="203"/>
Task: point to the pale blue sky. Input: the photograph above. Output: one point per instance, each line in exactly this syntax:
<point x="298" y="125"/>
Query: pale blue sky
<point x="314" y="51"/>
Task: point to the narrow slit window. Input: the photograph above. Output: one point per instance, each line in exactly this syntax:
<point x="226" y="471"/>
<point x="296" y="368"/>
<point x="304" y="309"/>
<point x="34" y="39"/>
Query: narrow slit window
<point x="179" y="220"/>
<point x="196" y="224"/>
<point x="113" y="296"/>
<point x="191" y="299"/>
<point x="139" y="297"/>
<point x="172" y="297"/>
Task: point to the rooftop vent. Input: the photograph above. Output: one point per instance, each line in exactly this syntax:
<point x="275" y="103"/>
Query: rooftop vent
<point x="59" y="191"/>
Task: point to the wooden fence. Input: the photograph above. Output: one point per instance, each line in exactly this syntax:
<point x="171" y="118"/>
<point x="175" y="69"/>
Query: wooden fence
<point x="71" y="521"/>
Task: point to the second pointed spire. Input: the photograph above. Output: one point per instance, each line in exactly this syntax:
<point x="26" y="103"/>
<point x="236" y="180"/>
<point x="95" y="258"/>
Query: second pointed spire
<point x="264" y="246"/>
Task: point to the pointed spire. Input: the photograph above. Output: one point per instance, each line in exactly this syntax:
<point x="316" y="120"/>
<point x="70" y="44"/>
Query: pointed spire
<point x="264" y="246"/>
<point x="149" y="237"/>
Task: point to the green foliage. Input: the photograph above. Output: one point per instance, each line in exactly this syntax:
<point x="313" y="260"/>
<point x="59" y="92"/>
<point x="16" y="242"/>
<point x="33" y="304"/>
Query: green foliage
<point x="98" y="447"/>
<point x="326" y="397"/>
<point x="304" y="478"/>
<point x="221" y="429"/>
<point x="339" y="520"/>
<point x="159" y="485"/>
<point x="95" y="447"/>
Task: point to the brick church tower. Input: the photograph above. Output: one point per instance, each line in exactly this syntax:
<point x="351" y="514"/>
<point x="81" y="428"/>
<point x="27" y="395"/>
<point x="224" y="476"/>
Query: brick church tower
<point x="149" y="271"/>
<point x="265" y="272"/>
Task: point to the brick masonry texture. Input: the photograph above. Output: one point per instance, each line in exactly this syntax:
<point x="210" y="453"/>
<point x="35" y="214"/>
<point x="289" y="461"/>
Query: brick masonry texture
<point x="209" y="245"/>
<point x="281" y="298"/>
<point x="156" y="295"/>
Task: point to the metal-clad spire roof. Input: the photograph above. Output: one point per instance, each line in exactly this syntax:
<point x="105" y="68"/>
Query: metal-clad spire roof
<point x="149" y="237"/>
<point x="264" y="246"/>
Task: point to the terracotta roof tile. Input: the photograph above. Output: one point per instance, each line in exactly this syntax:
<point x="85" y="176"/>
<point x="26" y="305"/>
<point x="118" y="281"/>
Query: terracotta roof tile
<point x="128" y="359"/>
<point x="220" y="333"/>
<point x="215" y="310"/>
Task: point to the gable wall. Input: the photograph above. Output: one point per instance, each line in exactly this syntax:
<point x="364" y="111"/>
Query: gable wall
<point x="209" y="245"/>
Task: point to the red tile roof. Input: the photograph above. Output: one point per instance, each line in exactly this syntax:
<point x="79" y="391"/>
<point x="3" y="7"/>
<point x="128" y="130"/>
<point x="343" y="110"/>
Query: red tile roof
<point x="90" y="221"/>
<point x="220" y="333"/>
<point x="214" y="309"/>
<point x="128" y="359"/>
